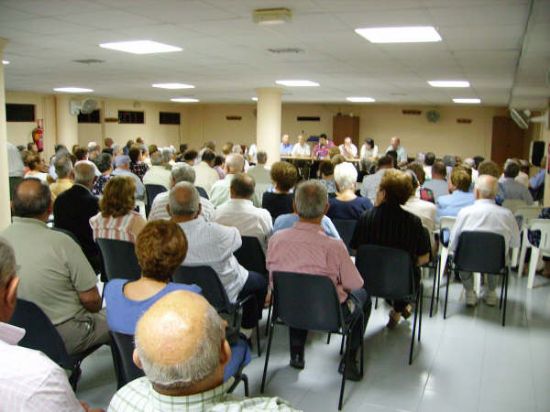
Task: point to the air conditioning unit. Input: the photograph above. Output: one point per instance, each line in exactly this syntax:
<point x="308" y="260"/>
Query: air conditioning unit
<point x="519" y="118"/>
<point x="85" y="106"/>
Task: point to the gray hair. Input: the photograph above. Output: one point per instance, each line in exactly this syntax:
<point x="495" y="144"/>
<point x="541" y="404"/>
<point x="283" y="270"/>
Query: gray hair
<point x="182" y="172"/>
<point x="345" y="176"/>
<point x="487" y="187"/>
<point x="166" y="155"/>
<point x="104" y="162"/>
<point x="311" y="198"/>
<point x="189" y="205"/>
<point x="261" y="156"/>
<point x="93" y="147"/>
<point x="84" y="172"/>
<point x="157" y="159"/>
<point x="63" y="165"/>
<point x="195" y="368"/>
<point x="234" y="162"/>
<point x="8" y="267"/>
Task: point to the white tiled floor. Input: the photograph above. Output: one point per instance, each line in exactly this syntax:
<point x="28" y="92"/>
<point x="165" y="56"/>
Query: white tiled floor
<point x="465" y="363"/>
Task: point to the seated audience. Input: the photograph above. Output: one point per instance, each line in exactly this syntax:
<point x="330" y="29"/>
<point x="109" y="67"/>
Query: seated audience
<point x="488" y="167"/>
<point x="137" y="166"/>
<point x="288" y="220"/>
<point x="117" y="218"/>
<point x="181" y="172"/>
<point x="368" y="154"/>
<point x="122" y="168"/>
<point x="523" y="175"/>
<point x="64" y="171"/>
<point x="205" y="173"/>
<point x="284" y="176"/>
<point x="35" y="167"/>
<point x="159" y="172"/>
<point x="211" y="244"/>
<point x="54" y="272"/>
<point x="459" y="186"/>
<point x="370" y="184"/>
<point x="260" y="173"/>
<point x="219" y="165"/>
<point x="188" y="373"/>
<point x="301" y="149"/>
<point x="511" y="188"/>
<point x="347" y="205"/>
<point x="304" y="248"/>
<point x="239" y="212"/>
<point x="426" y="211"/>
<point x="286" y="146"/>
<point x="190" y="157"/>
<point x="389" y="225"/>
<point x="348" y="149"/>
<point x="471" y="164"/>
<point x="429" y="160"/>
<point x="77" y="219"/>
<point x="105" y="166"/>
<point x="484" y="215"/>
<point x="219" y="194"/>
<point x="94" y="150"/>
<point x="326" y="176"/>
<point x="30" y="381"/>
<point x="438" y="183"/>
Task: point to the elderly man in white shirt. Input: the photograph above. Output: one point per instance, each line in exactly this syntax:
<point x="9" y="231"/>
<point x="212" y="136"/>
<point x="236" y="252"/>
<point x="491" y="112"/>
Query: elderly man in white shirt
<point x="395" y="144"/>
<point x="239" y="212"/>
<point x="159" y="172"/>
<point x="181" y="172"/>
<point x="348" y="149"/>
<point x="206" y="176"/>
<point x="29" y="381"/>
<point x="484" y="215"/>
<point x="211" y="244"/>
<point x="301" y="149"/>
<point x="219" y="194"/>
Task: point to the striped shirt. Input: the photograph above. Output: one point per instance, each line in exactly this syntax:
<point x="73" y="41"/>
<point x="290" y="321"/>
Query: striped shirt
<point x="139" y="395"/>
<point x="116" y="228"/>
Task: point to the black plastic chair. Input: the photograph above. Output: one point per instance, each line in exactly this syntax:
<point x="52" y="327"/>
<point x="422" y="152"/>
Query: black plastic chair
<point x="202" y="192"/>
<point x="152" y="191"/>
<point x="482" y="252"/>
<point x="317" y="310"/>
<point x="119" y="259"/>
<point x="390" y="274"/>
<point x="122" y="349"/>
<point x="213" y="291"/>
<point x="345" y="228"/>
<point x="42" y="335"/>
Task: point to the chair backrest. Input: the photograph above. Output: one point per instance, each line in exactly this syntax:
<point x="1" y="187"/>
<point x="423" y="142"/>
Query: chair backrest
<point x="544" y="226"/>
<point x="483" y="252"/>
<point x="40" y="334"/>
<point x="152" y="191"/>
<point x="513" y="204"/>
<point x="387" y="272"/>
<point x="345" y="228"/>
<point x="202" y="192"/>
<point x="251" y="255"/>
<point x="527" y="213"/>
<point x="119" y="259"/>
<point x="318" y="309"/>
<point x="122" y="349"/>
<point x="208" y="280"/>
<point x="447" y="222"/>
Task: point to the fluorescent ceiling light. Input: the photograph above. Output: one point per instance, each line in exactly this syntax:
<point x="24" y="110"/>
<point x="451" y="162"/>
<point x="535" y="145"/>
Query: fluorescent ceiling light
<point x="5" y="62"/>
<point x="297" y="83"/>
<point x="411" y="34"/>
<point x="467" y="101"/>
<point x="255" y="99"/>
<point x="173" y="86"/>
<point x="449" y="83"/>
<point x="184" y="100"/>
<point x="360" y="99"/>
<point x="140" y="47"/>
<point x="72" y="90"/>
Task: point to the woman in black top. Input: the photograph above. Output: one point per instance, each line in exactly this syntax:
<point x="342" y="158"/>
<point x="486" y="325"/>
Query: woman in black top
<point x="279" y="202"/>
<point x="387" y="224"/>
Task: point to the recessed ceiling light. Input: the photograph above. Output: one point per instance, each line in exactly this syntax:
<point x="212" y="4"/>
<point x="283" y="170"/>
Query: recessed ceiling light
<point x="360" y="99"/>
<point x="184" y="100"/>
<point x="449" y="83"/>
<point x="467" y="101"/>
<point x="173" y="86"/>
<point x="255" y="99"/>
<point x="5" y="62"/>
<point x="72" y="90"/>
<point x="411" y="34"/>
<point x="140" y="47"/>
<point x="297" y="83"/>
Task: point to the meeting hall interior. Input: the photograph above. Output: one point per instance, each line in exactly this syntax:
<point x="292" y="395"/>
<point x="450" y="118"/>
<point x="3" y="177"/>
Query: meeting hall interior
<point x="275" y="205"/>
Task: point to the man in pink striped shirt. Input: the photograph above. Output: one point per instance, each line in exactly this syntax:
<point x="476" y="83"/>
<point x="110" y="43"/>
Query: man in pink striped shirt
<point x="305" y="248"/>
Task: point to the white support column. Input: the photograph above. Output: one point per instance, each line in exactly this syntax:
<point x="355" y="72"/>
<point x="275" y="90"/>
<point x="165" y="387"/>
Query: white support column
<point x="67" y="123"/>
<point x="268" y="123"/>
<point x="5" y="210"/>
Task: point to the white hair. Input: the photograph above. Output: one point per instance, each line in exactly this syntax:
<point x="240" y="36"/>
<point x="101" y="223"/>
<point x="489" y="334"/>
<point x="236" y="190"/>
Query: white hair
<point x="345" y="176"/>
<point x="8" y="266"/>
<point x="234" y="162"/>
<point x="487" y="187"/>
<point x="195" y="368"/>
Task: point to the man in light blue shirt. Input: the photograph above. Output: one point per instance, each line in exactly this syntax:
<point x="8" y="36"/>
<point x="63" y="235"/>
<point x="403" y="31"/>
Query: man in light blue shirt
<point x="536" y="183"/>
<point x="395" y="144"/>
<point x="122" y="164"/>
<point x="450" y="205"/>
<point x="286" y="146"/>
<point x="287" y="221"/>
<point x="513" y="189"/>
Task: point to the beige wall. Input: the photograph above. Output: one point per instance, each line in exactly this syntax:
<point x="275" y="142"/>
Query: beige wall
<point x="207" y="122"/>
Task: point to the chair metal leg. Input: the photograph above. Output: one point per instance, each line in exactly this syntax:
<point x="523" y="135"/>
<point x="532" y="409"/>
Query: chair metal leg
<point x="342" y="344"/>
<point x="436" y="274"/>
<point x="271" y="330"/>
<point x="505" y="299"/>
<point x="376" y="303"/>
<point x="258" y="338"/>
<point x="421" y="301"/>
<point x="268" y="316"/>
<point x="328" y="339"/>
<point x="343" y="385"/>
<point x="501" y="292"/>
<point x="414" y="328"/>
<point x="245" y="383"/>
<point x="446" y="295"/>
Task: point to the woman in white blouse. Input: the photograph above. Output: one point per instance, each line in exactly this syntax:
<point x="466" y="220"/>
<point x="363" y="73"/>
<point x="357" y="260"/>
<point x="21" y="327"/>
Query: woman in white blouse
<point x="368" y="154"/>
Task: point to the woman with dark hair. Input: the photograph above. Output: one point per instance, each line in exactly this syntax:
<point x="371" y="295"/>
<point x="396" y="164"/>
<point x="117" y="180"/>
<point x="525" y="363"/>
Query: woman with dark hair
<point x="368" y="154"/>
<point x="284" y="176"/>
<point x="104" y="163"/>
<point x="387" y="224"/>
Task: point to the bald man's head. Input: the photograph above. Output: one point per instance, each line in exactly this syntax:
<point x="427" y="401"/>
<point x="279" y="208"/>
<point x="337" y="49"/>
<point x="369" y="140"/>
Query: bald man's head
<point x="184" y="200"/>
<point x="486" y="187"/>
<point x="180" y="342"/>
<point x="32" y="198"/>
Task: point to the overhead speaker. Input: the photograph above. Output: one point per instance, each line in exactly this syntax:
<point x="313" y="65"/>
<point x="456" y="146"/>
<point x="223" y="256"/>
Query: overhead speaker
<point x="536" y="152"/>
